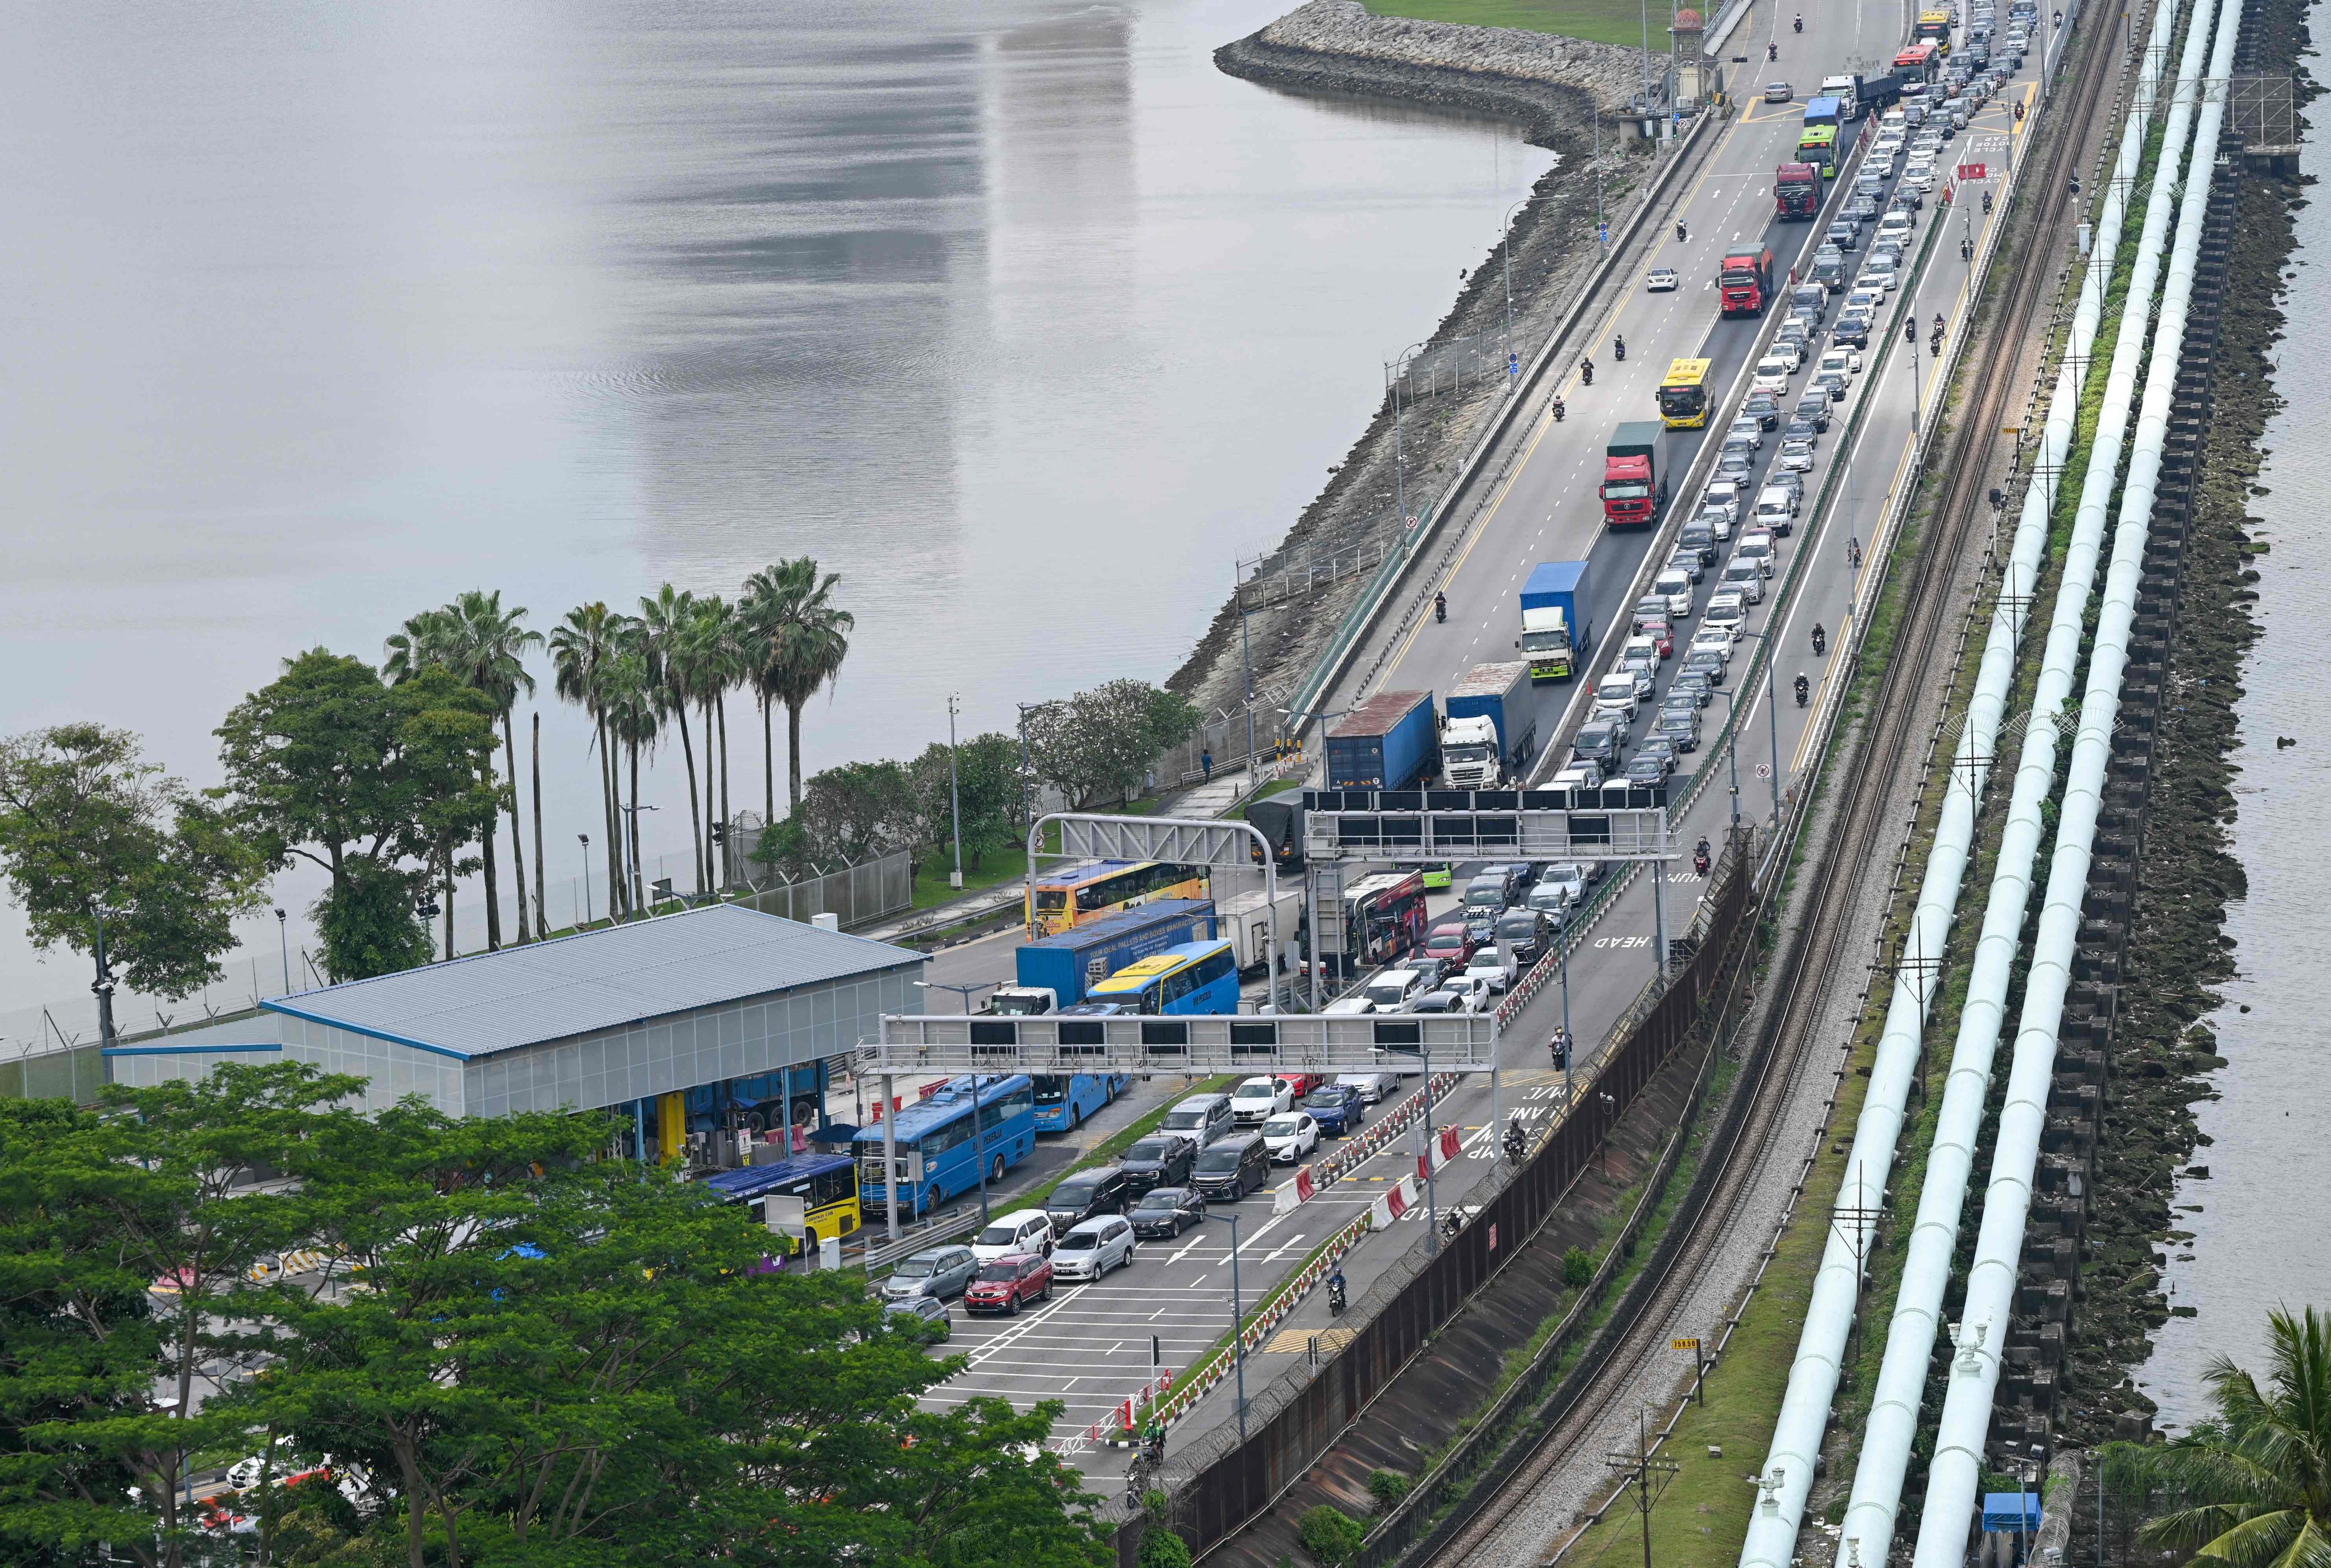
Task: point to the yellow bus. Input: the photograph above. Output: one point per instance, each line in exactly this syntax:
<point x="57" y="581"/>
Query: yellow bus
<point x="1935" y="28"/>
<point x="1075" y="894"/>
<point x="1683" y="395"/>
<point x="1190" y="977"/>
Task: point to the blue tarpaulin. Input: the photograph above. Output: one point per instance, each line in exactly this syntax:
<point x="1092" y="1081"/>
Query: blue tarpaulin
<point x="2011" y="1511"/>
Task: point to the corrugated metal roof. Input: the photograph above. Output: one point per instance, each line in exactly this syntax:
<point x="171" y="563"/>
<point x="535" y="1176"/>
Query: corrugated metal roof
<point x="595" y="979"/>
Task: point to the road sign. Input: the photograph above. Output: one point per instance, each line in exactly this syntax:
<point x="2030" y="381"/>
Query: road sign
<point x="1974" y="171"/>
<point x="1683" y="1345"/>
<point x="1763" y="770"/>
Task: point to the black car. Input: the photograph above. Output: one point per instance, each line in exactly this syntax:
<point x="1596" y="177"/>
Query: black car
<point x="1763" y="407"/>
<point x="1159" y="1160"/>
<point x="1524" y="934"/>
<point x="1681" y="729"/>
<point x="1599" y="744"/>
<point x="1647" y="772"/>
<point x="1087" y="1195"/>
<point x="1845" y="233"/>
<point x="1700" y="538"/>
<point x="1852" y="332"/>
<point x="1164" y="1212"/>
<point x="1337" y="1108"/>
<point x="1708" y="662"/>
<point x="1810" y="299"/>
<point x="1694" y="684"/>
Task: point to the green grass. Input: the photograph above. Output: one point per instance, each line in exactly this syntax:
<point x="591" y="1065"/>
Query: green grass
<point x="1597" y="19"/>
<point x="1001" y="865"/>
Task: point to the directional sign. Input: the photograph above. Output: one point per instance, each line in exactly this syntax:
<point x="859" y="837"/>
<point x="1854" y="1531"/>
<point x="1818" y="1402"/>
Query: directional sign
<point x="1683" y="1345"/>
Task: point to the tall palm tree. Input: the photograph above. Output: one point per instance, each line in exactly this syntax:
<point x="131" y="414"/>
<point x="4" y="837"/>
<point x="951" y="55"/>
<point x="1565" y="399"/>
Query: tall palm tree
<point x="665" y="623"/>
<point x="715" y="663"/>
<point x="2256" y="1480"/>
<point x="488" y="653"/>
<point x="799" y="638"/>
<point x="582" y="647"/>
<point x="430" y="641"/>
<point x="633" y="703"/>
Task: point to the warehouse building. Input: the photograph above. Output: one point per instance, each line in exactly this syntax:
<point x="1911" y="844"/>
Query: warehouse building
<point x="716" y="1017"/>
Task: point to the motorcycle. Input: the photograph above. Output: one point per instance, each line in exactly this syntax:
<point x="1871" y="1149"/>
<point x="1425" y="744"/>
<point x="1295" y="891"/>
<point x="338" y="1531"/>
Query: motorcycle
<point x="1618" y="348"/>
<point x="1853" y="553"/>
<point x="1335" y="1300"/>
<point x="1439" y="607"/>
<point x="1559" y="411"/>
<point x="1805" y="690"/>
<point x="1680" y="230"/>
<point x="1800" y="24"/>
<point x="1700" y="858"/>
<point x="1586" y="372"/>
<point x="1772" y="52"/>
<point x="1558" y="1048"/>
<point x="1821" y="642"/>
<point x="1987" y="203"/>
<point x="1516" y="1144"/>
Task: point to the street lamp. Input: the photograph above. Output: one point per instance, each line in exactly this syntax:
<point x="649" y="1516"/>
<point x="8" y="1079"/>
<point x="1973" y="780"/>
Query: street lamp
<point x="1772" y="721"/>
<point x="978" y="1111"/>
<point x="1731" y="750"/>
<point x="585" y="840"/>
<point x="1238" y="1322"/>
<point x="954" y="804"/>
<point x="1610" y="1107"/>
<point x="639" y="899"/>
<point x="284" y="936"/>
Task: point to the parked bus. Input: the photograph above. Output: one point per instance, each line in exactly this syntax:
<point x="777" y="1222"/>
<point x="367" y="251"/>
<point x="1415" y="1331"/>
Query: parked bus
<point x="938" y="1149"/>
<point x="1818" y="147"/>
<point x="1064" y="1100"/>
<point x="1919" y="62"/>
<point x="1062" y="898"/>
<point x="1683" y="395"/>
<point x="1935" y="28"/>
<point x="807" y="1199"/>
<point x="1194" y="977"/>
<point x="1384" y="918"/>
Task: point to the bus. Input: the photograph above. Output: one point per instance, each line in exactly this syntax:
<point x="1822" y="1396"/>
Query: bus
<point x="1917" y="63"/>
<point x="1062" y="898"/>
<point x="806" y="1200"/>
<point x="1384" y="918"/>
<point x="1063" y="1100"/>
<point x="1683" y="395"/>
<point x="1192" y="977"/>
<point x="938" y="1149"/>
<point x="1818" y="147"/>
<point x="1935" y="28"/>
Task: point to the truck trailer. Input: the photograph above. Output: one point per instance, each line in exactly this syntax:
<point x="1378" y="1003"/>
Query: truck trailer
<point x="1055" y="972"/>
<point x="1557" y="633"/>
<point x="1633" y="489"/>
<point x="1847" y="90"/>
<point x="1386" y="743"/>
<point x="1489" y="729"/>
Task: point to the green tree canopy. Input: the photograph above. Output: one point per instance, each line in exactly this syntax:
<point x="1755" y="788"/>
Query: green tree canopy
<point x="987" y="770"/>
<point x="1096" y="746"/>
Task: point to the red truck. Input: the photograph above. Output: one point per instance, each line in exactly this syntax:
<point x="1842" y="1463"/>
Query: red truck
<point x="1797" y="191"/>
<point x="1746" y="279"/>
<point x="1633" y="489"/>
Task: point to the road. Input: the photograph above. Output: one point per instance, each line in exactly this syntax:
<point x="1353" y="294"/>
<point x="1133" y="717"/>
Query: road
<point x="1093" y="1346"/>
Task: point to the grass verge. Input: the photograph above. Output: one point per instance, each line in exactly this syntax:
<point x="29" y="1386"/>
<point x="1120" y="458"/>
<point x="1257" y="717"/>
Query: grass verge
<point x="1599" y="20"/>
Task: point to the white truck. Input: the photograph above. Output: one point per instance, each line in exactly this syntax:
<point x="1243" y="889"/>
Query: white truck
<point x="1489" y="726"/>
<point x="1469" y="758"/>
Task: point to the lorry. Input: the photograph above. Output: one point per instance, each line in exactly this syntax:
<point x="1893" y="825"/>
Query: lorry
<point x="1488" y="731"/>
<point x="1825" y="110"/>
<point x="1055" y="972"/>
<point x="1879" y="93"/>
<point x="1633" y="489"/>
<point x="1847" y="90"/>
<point x="1557" y="634"/>
<point x="1244" y="922"/>
<point x="1744" y="279"/>
<point x="1279" y="819"/>
<point x="1797" y="193"/>
<point x="1386" y="743"/>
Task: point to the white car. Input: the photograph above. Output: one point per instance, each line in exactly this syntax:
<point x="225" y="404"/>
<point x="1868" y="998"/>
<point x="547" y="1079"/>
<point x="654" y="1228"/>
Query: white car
<point x="1373" y="1085"/>
<point x="1094" y="1248"/>
<point x="1472" y="992"/>
<point x="1290" y="1137"/>
<point x="1751" y="431"/>
<point x="1663" y="281"/>
<point x="1792" y="350"/>
<point x="1866" y="299"/>
<point x="1022" y="1230"/>
<point x="1729" y="611"/>
<point x="1261" y="1099"/>
<point x="1844" y="361"/>
<point x="1743" y="578"/>
<point x="1797" y="456"/>
<point x="1772" y="374"/>
<point x="1713" y="639"/>
<point x="1879" y="274"/>
<point x="1758" y="549"/>
<point x="1674" y="585"/>
<point x="1489" y="969"/>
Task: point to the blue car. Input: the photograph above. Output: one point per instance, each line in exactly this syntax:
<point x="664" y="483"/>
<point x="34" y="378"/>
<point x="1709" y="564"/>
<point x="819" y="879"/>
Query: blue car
<point x="1335" y="1107"/>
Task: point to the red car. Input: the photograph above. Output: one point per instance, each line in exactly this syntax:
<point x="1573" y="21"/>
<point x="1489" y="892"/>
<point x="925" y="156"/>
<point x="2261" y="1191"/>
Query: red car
<point x="1448" y="942"/>
<point x="1662" y="637"/>
<point x="1299" y="1084"/>
<point x="1006" y="1284"/>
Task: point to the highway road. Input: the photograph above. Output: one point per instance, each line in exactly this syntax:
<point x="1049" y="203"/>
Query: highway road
<point x="1093" y="1345"/>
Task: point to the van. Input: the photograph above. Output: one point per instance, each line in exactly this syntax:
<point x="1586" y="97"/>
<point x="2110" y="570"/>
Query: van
<point x="1674" y="585"/>
<point x="1522" y="934"/>
<point x="1776" y="507"/>
<point x="1028" y="1230"/>
<point x="1229" y="1170"/>
<point x="1387" y="989"/>
<point x="1203" y="1116"/>
<point x="1728" y="611"/>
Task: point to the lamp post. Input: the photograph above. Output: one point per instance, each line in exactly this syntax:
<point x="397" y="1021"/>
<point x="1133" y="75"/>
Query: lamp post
<point x="639" y="899"/>
<point x="1732" y="749"/>
<point x="978" y="1111"/>
<point x="283" y="937"/>
<point x="1772" y="721"/>
<point x="954" y="799"/>
<point x="1238" y="1323"/>
<point x="585" y="838"/>
<point x="1610" y="1107"/>
<point x="1431" y="1212"/>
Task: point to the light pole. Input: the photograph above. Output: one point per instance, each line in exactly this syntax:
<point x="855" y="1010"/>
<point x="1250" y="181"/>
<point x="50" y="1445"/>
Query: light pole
<point x="1399" y="365"/>
<point x="585" y="838"/>
<point x="1431" y="1214"/>
<point x="283" y="937"/>
<point x="1772" y="721"/>
<point x="955" y="804"/>
<point x="1569" y="1040"/>
<point x="1238" y="1323"/>
<point x="1732" y="749"/>
<point x="1610" y="1107"/>
<point x="1506" y="250"/>
<point x="978" y="1111"/>
<point x="639" y="899"/>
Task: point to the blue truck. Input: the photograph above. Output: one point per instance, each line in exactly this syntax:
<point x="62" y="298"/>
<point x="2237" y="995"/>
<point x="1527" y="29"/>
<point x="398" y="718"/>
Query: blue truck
<point x="1054" y="972"/>
<point x="1557" y="633"/>
<point x="1387" y="743"/>
<point x="1489" y="728"/>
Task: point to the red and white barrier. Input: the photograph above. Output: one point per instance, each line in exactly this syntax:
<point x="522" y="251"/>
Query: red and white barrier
<point x="1395" y="1200"/>
<point x="1295" y="1192"/>
<point x="1439" y="1152"/>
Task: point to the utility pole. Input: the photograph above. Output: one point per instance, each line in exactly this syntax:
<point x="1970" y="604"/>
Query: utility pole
<point x="954" y="798"/>
<point x="1646" y="1478"/>
<point x="586" y="921"/>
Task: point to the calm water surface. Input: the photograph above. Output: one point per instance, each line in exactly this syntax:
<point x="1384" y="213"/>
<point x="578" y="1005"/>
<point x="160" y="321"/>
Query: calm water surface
<point x="1018" y="314"/>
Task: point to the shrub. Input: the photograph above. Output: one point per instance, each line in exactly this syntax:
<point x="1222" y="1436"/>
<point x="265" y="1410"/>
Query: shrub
<point x="1161" y="1548"/>
<point x="1577" y="1268"/>
<point x="1329" y="1534"/>
<point x="1388" y="1487"/>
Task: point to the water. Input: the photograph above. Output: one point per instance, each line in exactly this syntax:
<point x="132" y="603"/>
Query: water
<point x="1019" y="315"/>
<point x="2257" y="1244"/>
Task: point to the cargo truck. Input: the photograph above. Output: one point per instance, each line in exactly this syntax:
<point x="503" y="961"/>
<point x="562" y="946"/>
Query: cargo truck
<point x="1881" y="94"/>
<point x="1386" y="743"/>
<point x="1055" y="972"/>
<point x="1847" y="90"/>
<point x="1244" y="923"/>
<point x="1279" y="819"/>
<point x="1488" y="731"/>
<point x="1796" y="193"/>
<point x="1744" y="280"/>
<point x="1633" y="489"/>
<point x="1557" y="633"/>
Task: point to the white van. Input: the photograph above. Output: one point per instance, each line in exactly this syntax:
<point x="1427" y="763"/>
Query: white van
<point x="1759" y="549"/>
<point x="1022" y="1230"/>
<point x="1729" y="611"/>
<point x="1674" y="585"/>
<point x="1776" y="508"/>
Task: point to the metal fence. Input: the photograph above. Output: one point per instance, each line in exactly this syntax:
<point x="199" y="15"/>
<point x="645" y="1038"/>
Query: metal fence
<point x="859" y="894"/>
<point x="75" y="1075"/>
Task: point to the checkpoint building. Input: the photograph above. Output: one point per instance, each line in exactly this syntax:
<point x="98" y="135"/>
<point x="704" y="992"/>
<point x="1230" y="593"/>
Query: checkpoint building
<point x="716" y="1017"/>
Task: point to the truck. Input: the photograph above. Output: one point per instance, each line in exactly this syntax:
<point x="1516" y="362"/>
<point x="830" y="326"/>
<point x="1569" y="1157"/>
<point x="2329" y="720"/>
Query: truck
<point x="1825" y="110"/>
<point x="1556" y="635"/>
<point x="1279" y="819"/>
<point x="1881" y="94"/>
<point x="1744" y="278"/>
<point x="1244" y="922"/>
<point x="1847" y="90"/>
<point x="1052" y="972"/>
<point x="1386" y="743"/>
<point x="1797" y="193"/>
<point x="1488" y="730"/>
<point x="1633" y="490"/>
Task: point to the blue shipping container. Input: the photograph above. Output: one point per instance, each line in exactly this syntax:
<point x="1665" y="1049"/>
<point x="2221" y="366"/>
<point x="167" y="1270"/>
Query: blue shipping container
<point x="1083" y="955"/>
<point x="1383" y="744"/>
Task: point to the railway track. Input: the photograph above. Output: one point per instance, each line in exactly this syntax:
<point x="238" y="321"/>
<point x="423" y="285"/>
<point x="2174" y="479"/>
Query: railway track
<point x="1825" y="952"/>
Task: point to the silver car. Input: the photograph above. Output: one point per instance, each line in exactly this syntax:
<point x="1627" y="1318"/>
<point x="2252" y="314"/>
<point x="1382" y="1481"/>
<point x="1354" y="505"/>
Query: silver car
<point x="1373" y="1085"/>
<point x="1094" y="1248"/>
<point x="938" y="1271"/>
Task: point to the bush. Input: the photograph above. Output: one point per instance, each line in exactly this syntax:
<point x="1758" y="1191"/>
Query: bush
<point x="1388" y="1487"/>
<point x="1161" y="1548"/>
<point x="1329" y="1534"/>
<point x="1577" y="1268"/>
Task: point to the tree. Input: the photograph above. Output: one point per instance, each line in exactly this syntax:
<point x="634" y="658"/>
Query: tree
<point x="327" y="764"/>
<point x="2256" y="1480"/>
<point x="86" y="824"/>
<point x="1329" y="1534"/>
<point x="582" y="647"/>
<point x="1099" y="745"/>
<point x="634" y="704"/>
<point x="667" y="629"/>
<point x="799" y="639"/>
<point x="987" y="783"/>
<point x="848" y="814"/>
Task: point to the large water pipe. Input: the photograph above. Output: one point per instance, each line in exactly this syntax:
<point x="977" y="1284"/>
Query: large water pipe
<point x="1956" y="1471"/>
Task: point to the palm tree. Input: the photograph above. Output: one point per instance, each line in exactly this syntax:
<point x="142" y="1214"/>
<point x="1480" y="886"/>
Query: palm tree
<point x="2257" y="1478"/>
<point x="715" y="664"/>
<point x="429" y="641"/>
<point x="799" y="639"/>
<point x="583" y="647"/>
<point x="633" y="704"/>
<point x="488" y="652"/>
<point x="665" y="621"/>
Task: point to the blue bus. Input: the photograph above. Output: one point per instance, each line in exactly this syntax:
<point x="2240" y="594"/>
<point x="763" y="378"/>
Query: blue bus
<point x="805" y="1200"/>
<point x="938" y="1149"/>
<point x="1063" y="1100"/>
<point x="1190" y="977"/>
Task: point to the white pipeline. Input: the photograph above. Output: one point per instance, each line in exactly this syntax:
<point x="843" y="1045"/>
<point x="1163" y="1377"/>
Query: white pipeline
<point x="1893" y="1423"/>
<point x="1957" y="1468"/>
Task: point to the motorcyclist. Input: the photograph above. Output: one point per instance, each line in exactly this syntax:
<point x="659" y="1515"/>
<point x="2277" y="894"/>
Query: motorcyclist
<point x="1440" y="606"/>
<point x="1821" y="641"/>
<point x="1618" y="346"/>
<point x="1938" y="324"/>
<point x="1586" y="371"/>
<point x="1680" y="230"/>
<point x="1805" y="688"/>
<point x="1853" y="551"/>
<point x="1772" y="52"/>
<point x="1335" y="1291"/>
<point x="1559" y="411"/>
<point x="1558" y="1047"/>
<point x="1966" y="250"/>
<point x="1516" y="1144"/>
<point x="1986" y="202"/>
<point x="1801" y="22"/>
<point x="1699" y="857"/>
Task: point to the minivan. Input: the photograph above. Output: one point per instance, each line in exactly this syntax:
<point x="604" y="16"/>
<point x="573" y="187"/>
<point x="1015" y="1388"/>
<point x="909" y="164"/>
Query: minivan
<point x="1230" y="1169"/>
<point x="1776" y="507"/>
<point x="1599" y="744"/>
<point x="1757" y="549"/>
<point x="1022" y="1230"/>
<point x="1387" y="989"/>
<point x="1203" y="1116"/>
<point x="1675" y="587"/>
<point x="1524" y="933"/>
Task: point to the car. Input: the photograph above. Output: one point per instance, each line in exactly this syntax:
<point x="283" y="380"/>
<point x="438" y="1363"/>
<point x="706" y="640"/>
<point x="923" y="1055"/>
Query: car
<point x="1829" y="271"/>
<point x="1373" y="1085"/>
<point x="1725" y="495"/>
<point x="1008" y="1283"/>
<point x="1599" y="744"/>
<point x="1650" y="607"/>
<point x="1164" y="1212"/>
<point x="1865" y="299"/>
<point x="1085" y="1195"/>
<point x="1736" y="464"/>
<point x="1879" y="275"/>
<point x="1801" y="429"/>
<point x="1730" y="612"/>
<point x="1615" y="696"/>
<point x="1831" y="382"/>
<point x="1387" y="990"/>
<point x="1336" y="1107"/>
<point x="1771" y="375"/>
<point x="1450" y="941"/>
<point x="1663" y="279"/>
<point x="1764" y="407"/>
<point x="1675" y="586"/>
<point x="1699" y="539"/>
<point x="1291" y="1136"/>
<point x="1662" y="749"/>
<point x="1758" y="551"/>
<point x="1647" y="772"/>
<point x="1797" y="456"/>
<point x="1203" y="1116"/>
<point x="1433" y="969"/>
<point x="1795" y="333"/>
<point x="1747" y="430"/>
<point x="1852" y="331"/>
<point x="1094" y="1248"/>
<point x="1159" y="1160"/>
<point x="1716" y="638"/>
<point x="1659" y="635"/>
<point x="940" y="1271"/>
<point x="1577" y="775"/>
<point x="1681" y="729"/>
<point x="1696" y="684"/>
<point x="1022" y="1230"/>
<point x="1469" y="991"/>
<point x="1844" y="233"/>
<point x="1260" y="1099"/>
<point x="1792" y="350"/>
<point x="1809" y="300"/>
<point x="1500" y="885"/>
<point x="928" y="1310"/>
<point x="1232" y="1168"/>
<point x="1778" y="92"/>
<point x="1436" y="1003"/>
<point x="1708" y="663"/>
<point x="1861" y="208"/>
<point x="1744" y="579"/>
<point x="1494" y="967"/>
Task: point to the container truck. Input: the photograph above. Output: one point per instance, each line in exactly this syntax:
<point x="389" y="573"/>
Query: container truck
<point x="1633" y="489"/>
<point x="1745" y="279"/>
<point x="1386" y="743"/>
<point x="1847" y="90"/>
<point x="1490" y="729"/>
<point x="1244" y="922"/>
<point x="1796" y="193"/>
<point x="1055" y="972"/>
<point x="1557" y="633"/>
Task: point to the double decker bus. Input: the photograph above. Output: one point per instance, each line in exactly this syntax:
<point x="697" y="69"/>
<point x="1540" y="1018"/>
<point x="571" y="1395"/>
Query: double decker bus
<point x="1933" y="27"/>
<point x="1193" y="977"/>
<point x="1384" y="918"/>
<point x="806" y="1200"/>
<point x="938" y="1147"/>
<point x="1683" y="395"/>
<point x="1064" y="897"/>
<point x="1919" y="62"/>
<point x="1818" y="147"/>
